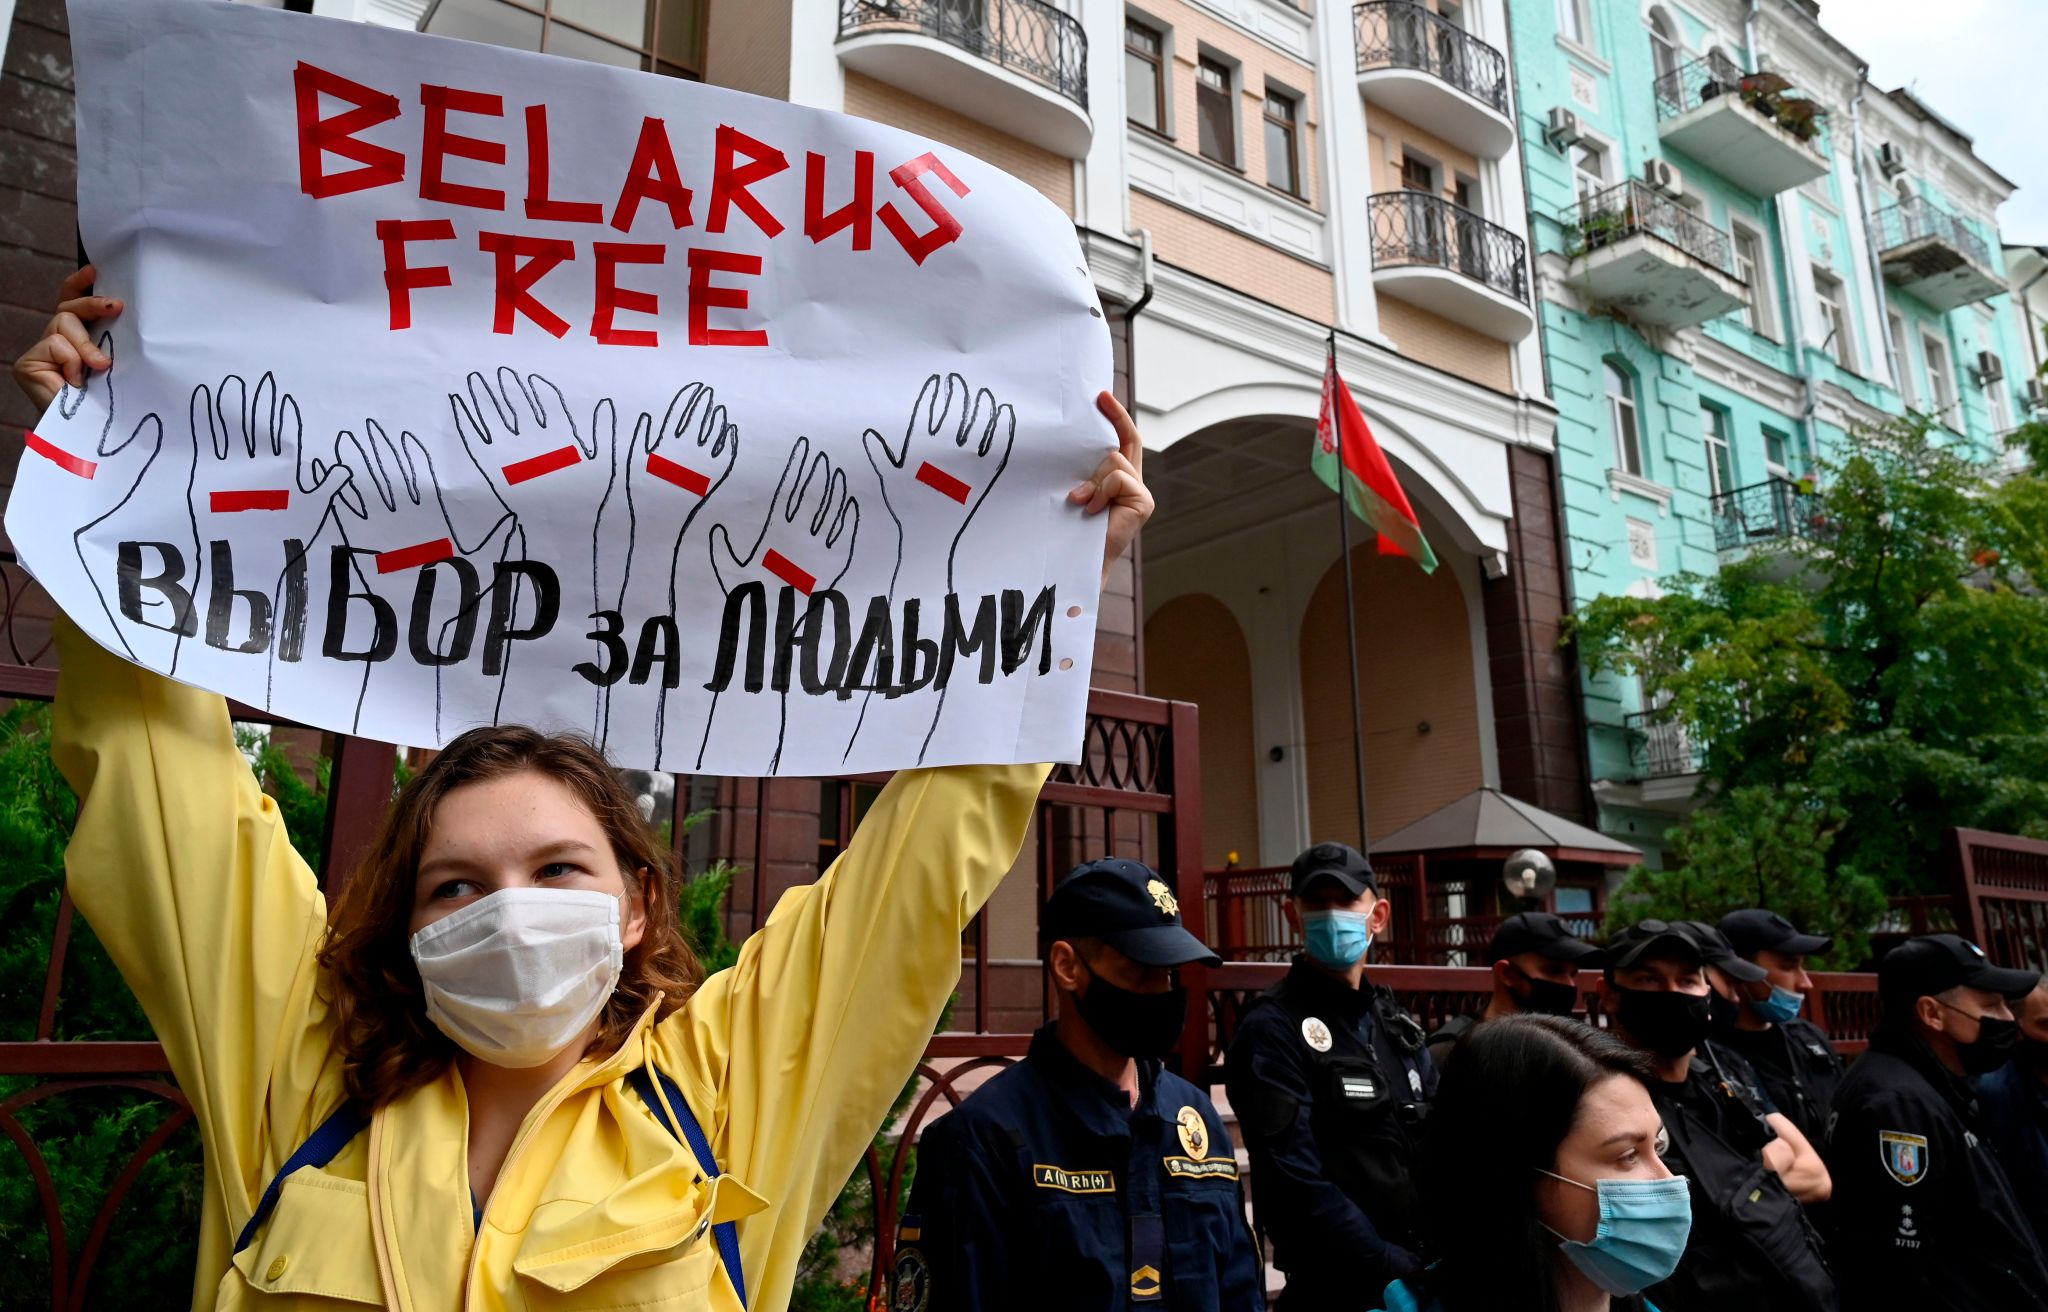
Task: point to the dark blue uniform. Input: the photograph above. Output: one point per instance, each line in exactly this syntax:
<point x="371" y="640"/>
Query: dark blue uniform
<point x="1046" y="1189"/>
<point x="1330" y="1084"/>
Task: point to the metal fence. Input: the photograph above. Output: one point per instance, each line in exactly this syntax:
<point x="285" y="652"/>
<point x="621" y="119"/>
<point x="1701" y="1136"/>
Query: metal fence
<point x="1416" y="228"/>
<point x="1776" y="509"/>
<point x="1403" y="34"/>
<point x="1696" y="82"/>
<point x="1660" y="747"/>
<point x="1629" y="208"/>
<point x="1028" y="37"/>
<point x="1999" y="885"/>
<point x="1918" y="218"/>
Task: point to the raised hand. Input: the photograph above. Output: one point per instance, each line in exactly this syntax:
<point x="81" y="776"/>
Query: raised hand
<point x="407" y="555"/>
<point x="262" y="516"/>
<point x="954" y="449"/>
<point x="800" y="553"/>
<point x="675" y="464"/>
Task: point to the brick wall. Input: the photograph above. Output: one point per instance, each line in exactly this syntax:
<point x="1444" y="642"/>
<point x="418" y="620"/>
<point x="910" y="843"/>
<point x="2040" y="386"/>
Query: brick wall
<point x="1451" y="347"/>
<point x="1051" y="174"/>
<point x="1193" y="28"/>
<point x="746" y="46"/>
<point x="1190" y="242"/>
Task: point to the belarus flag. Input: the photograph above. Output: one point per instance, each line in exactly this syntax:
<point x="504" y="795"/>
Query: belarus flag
<point x="1345" y="449"/>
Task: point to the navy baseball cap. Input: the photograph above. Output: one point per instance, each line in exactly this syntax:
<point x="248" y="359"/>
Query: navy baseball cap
<point x="1721" y="954"/>
<point x="1626" y="947"/>
<point x="1129" y="907"/>
<point x="1346" y="865"/>
<point x="1757" y="930"/>
<point x="1541" y="933"/>
<point x="1935" y="963"/>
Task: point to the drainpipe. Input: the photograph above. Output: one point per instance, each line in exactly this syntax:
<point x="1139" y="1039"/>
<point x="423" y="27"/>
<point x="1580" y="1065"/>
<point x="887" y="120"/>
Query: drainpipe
<point x="1864" y="213"/>
<point x="2027" y="313"/>
<point x="1781" y="212"/>
<point x="1131" y="314"/>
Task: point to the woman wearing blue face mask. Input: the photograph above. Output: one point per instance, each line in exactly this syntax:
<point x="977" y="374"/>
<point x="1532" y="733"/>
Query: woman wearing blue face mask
<point x="1541" y="1185"/>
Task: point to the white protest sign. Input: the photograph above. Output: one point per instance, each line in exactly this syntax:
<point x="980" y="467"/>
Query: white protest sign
<point x="460" y="385"/>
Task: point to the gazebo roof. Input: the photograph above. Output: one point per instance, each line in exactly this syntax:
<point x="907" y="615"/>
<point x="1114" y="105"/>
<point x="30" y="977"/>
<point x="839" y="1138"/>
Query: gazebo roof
<point x="1487" y="823"/>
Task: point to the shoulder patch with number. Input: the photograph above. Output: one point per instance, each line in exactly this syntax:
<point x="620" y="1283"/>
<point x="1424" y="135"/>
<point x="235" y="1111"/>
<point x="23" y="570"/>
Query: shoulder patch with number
<point x="1905" y="1155"/>
<point x="1316" y="1034"/>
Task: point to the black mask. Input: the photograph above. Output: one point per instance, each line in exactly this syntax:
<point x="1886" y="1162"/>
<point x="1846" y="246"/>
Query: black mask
<point x="1723" y="1011"/>
<point x="1546" y="997"/>
<point x="1134" y="1024"/>
<point x="1993" y="1047"/>
<point x="1668" y="1023"/>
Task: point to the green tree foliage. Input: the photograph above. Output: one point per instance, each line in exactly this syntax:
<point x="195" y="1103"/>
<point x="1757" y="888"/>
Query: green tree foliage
<point x="1859" y="688"/>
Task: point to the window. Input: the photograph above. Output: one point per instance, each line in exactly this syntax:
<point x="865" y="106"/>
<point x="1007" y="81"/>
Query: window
<point x="1218" y="125"/>
<point x="1621" y="411"/>
<point x="1901" y="360"/>
<point x="1283" y="161"/>
<point x="1753" y="269"/>
<point x="1941" y="379"/>
<point x="1417" y="174"/>
<point x="1777" y="453"/>
<point x="2001" y="412"/>
<point x="1665" y="47"/>
<point x="1572" y="22"/>
<point x="1720" y="460"/>
<point x="1589" y="169"/>
<point x="661" y="36"/>
<point x="1144" y="76"/>
<point x="1834" y="318"/>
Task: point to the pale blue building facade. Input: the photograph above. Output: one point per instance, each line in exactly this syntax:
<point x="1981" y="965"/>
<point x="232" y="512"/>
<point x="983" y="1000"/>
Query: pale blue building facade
<point x="1742" y="249"/>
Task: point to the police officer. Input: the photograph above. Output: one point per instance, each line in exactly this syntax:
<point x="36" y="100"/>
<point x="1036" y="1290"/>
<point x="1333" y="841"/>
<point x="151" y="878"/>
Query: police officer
<point x="2015" y="1102"/>
<point x="1087" y="1176"/>
<point x="1535" y="963"/>
<point x="1748" y="1168"/>
<point x="1330" y="1081"/>
<point x="1759" y="1017"/>
<point x="1926" y="1217"/>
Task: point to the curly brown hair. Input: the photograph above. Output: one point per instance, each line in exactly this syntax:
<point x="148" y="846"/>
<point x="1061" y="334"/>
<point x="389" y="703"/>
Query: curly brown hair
<point x="388" y="1045"/>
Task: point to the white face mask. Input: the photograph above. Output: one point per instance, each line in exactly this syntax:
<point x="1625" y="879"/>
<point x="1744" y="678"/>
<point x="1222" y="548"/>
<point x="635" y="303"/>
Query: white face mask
<point x="515" y="977"/>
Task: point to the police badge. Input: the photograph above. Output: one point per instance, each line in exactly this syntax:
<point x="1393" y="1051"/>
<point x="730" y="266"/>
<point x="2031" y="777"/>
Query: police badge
<point x="1194" y="1132"/>
<point x="1905" y="1155"/>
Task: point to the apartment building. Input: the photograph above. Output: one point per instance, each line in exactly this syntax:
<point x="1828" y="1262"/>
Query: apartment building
<point x="1744" y="249"/>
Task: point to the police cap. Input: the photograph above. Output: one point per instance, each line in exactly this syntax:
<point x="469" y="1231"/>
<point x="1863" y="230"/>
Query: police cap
<point x="1648" y="938"/>
<point x="1721" y="954"/>
<point x="1757" y="930"/>
<point x="1342" y="864"/>
<point x="1935" y="963"/>
<point x="1129" y="907"/>
<point x="1541" y="933"/>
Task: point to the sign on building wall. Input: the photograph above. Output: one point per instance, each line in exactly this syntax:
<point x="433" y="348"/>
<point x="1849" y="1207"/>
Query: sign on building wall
<point x="460" y="385"/>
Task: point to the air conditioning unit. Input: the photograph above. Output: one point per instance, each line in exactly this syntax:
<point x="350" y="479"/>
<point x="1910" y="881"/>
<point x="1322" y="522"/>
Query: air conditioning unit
<point x="1664" y="176"/>
<point x="1990" y="369"/>
<point x="1563" y="129"/>
<point x="1891" y="161"/>
<point x="2036" y="395"/>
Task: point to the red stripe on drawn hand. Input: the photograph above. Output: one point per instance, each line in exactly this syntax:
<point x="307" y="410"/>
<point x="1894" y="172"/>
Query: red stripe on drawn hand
<point x="939" y="480"/>
<point x="58" y="456"/>
<point x="782" y="567"/>
<point x="255" y="498"/>
<point x="545" y="463"/>
<point x="682" y="476"/>
<point x="423" y="553"/>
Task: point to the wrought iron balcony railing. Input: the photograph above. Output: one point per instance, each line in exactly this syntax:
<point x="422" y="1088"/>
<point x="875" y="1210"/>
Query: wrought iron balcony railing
<point x="1911" y="220"/>
<point x="1696" y="83"/>
<point x="1776" y="509"/>
<point x="1660" y="747"/>
<point x="1027" y="37"/>
<point x="1414" y="227"/>
<point x="1403" y="34"/>
<point x="1607" y="217"/>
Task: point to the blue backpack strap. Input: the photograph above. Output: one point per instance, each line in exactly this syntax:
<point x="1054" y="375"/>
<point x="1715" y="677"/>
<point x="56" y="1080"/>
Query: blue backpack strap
<point x="685" y="1126"/>
<point x="320" y="1148"/>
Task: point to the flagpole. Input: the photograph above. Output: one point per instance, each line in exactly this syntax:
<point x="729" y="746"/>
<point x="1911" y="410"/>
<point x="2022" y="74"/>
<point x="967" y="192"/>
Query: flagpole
<point x="1351" y="636"/>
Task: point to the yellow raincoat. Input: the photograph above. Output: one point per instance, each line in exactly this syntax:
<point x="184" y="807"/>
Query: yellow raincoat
<point x="789" y="1059"/>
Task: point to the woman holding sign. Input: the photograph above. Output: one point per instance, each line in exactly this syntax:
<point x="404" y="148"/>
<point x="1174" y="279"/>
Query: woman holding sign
<point x="492" y="1075"/>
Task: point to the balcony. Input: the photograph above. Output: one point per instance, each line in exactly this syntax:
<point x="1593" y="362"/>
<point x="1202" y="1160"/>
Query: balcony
<point x="1931" y="254"/>
<point x="1449" y="261"/>
<point x="1741" y="125"/>
<point x="1020" y="66"/>
<point x="1637" y="252"/>
<point x="1774" y="512"/>
<point x="1660" y="747"/>
<point x="1431" y="72"/>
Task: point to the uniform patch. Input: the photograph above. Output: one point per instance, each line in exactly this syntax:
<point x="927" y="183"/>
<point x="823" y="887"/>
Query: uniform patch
<point x="1905" y="1155"/>
<point x="1415" y="1082"/>
<point x="1162" y="897"/>
<point x="910" y="1287"/>
<point x="1817" y="1049"/>
<point x="1316" y="1034"/>
<point x="1073" y="1182"/>
<point x="1145" y="1284"/>
<point x="1362" y="1087"/>
<point x="1189" y="1168"/>
<point x="1194" y="1132"/>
